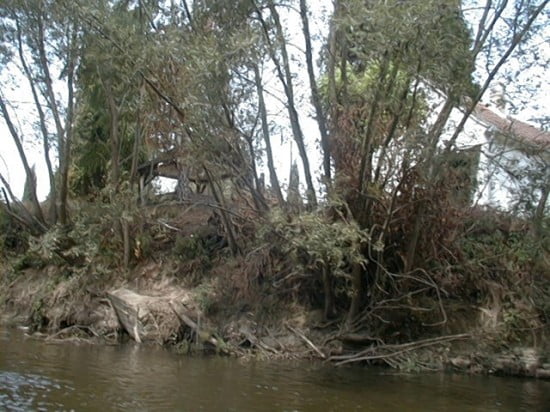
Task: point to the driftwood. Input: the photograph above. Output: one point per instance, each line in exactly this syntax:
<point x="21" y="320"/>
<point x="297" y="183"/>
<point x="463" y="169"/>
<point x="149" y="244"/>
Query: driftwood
<point x="127" y="312"/>
<point x="145" y="318"/>
<point x="357" y="339"/>
<point x="389" y="352"/>
<point x="159" y="318"/>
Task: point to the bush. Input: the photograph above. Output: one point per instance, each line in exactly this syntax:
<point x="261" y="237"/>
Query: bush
<point x="13" y="236"/>
<point x="314" y="243"/>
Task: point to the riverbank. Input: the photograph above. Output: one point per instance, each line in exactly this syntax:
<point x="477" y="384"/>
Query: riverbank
<point x="212" y="318"/>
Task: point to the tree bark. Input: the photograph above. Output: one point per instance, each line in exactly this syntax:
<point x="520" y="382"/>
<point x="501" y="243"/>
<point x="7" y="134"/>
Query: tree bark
<point x="273" y="179"/>
<point x="285" y="76"/>
<point x="315" y="96"/>
<point x="48" y="92"/>
<point x="218" y="196"/>
<point x="137" y="138"/>
<point x="539" y="212"/>
<point x="52" y="198"/>
<point x="328" y="291"/>
<point x="21" y="214"/>
<point x="28" y="171"/>
<point x="64" y="155"/>
<point x="64" y="135"/>
<point x="356" y="292"/>
<point x="366" y="144"/>
<point x="114" y="138"/>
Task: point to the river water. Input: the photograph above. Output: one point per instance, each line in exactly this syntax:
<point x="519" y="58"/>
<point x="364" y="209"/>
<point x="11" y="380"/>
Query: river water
<point x="35" y="375"/>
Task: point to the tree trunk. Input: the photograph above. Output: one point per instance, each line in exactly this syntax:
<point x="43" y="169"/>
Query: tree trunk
<point x="137" y="138"/>
<point x="28" y="171"/>
<point x="315" y="96"/>
<point x="64" y="136"/>
<point x="65" y="154"/>
<point x="21" y="214"/>
<point x="183" y="186"/>
<point x="273" y="179"/>
<point x="125" y="241"/>
<point x="285" y="76"/>
<point x="356" y="292"/>
<point x="114" y="137"/>
<point x="329" y="292"/>
<point x="218" y="196"/>
<point x="52" y="212"/>
<point x="539" y="212"/>
<point x="366" y="143"/>
<point x="48" y="90"/>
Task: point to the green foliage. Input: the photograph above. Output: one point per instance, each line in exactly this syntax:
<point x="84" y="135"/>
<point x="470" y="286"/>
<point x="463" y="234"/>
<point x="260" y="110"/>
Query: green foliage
<point x="500" y="247"/>
<point x="361" y="88"/>
<point x="90" y="153"/>
<point x="93" y="239"/>
<point x="107" y="87"/>
<point x="189" y="247"/>
<point x="508" y="266"/>
<point x="313" y="242"/>
<point x="205" y="297"/>
<point x="28" y="260"/>
<point x="76" y="246"/>
<point x="13" y="237"/>
<point x="428" y="38"/>
<point x="144" y="245"/>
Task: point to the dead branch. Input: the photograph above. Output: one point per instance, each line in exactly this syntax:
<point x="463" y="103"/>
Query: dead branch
<point x="393" y="351"/>
<point x="306" y="340"/>
<point x="204" y="336"/>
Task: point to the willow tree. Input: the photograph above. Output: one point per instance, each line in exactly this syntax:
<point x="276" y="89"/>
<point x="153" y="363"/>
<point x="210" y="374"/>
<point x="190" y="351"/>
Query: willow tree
<point x="42" y="40"/>
<point x="108" y="126"/>
<point x="276" y="40"/>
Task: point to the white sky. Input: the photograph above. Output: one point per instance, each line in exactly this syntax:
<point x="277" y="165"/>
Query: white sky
<point x="22" y="113"/>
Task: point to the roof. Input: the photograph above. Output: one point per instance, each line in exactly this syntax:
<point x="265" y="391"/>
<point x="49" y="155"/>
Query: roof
<point x="521" y="131"/>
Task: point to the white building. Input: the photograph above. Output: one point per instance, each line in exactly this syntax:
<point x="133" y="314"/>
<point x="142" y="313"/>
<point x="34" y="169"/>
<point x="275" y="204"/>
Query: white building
<point x="514" y="162"/>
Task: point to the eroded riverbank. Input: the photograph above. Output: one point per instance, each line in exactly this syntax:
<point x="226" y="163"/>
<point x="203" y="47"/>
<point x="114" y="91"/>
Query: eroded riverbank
<point x="78" y="308"/>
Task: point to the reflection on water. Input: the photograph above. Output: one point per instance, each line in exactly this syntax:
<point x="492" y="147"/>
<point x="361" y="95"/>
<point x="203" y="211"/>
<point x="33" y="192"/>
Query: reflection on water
<point x="39" y="376"/>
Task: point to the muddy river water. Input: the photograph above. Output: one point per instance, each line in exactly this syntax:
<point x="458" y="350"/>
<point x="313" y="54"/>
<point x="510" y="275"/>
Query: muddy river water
<point x="35" y="375"/>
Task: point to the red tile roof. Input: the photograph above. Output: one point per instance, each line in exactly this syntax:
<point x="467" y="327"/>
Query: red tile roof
<point x="521" y="131"/>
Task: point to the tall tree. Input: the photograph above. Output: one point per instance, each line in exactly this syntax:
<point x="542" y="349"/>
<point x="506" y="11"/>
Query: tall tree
<point x="277" y="47"/>
<point x="44" y="37"/>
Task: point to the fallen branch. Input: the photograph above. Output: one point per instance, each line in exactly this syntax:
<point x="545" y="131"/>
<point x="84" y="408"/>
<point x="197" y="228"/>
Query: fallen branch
<point x="373" y="353"/>
<point x="306" y="340"/>
<point x="357" y="339"/>
<point x="168" y="226"/>
<point x="70" y="329"/>
<point x="255" y="341"/>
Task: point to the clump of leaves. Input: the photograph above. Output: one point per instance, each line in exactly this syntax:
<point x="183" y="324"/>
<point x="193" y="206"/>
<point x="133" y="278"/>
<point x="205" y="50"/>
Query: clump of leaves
<point x="496" y="253"/>
<point x="13" y="237"/>
<point x="77" y="245"/>
<point x="189" y="247"/>
<point x="313" y="241"/>
<point x="205" y="296"/>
